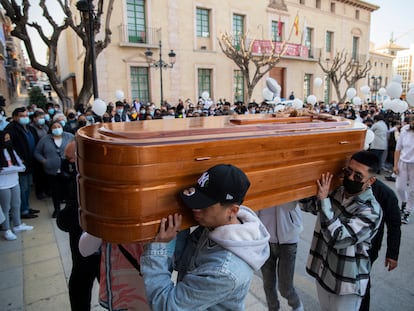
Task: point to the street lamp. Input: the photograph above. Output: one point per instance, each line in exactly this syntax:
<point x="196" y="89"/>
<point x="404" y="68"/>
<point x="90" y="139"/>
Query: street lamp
<point x="86" y="6"/>
<point x="376" y="85"/>
<point x="161" y="64"/>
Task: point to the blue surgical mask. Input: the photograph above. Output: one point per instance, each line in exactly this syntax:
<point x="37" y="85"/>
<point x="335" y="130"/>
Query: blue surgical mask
<point x="51" y="111"/>
<point x="30" y="113"/>
<point x="57" y="131"/>
<point x="89" y="118"/>
<point x="41" y="121"/>
<point x="24" y="120"/>
<point x="119" y="111"/>
<point x="47" y="117"/>
<point x="62" y="122"/>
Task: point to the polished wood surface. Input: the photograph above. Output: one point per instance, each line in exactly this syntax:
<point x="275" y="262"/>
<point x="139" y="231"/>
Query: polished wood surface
<point x="130" y="174"/>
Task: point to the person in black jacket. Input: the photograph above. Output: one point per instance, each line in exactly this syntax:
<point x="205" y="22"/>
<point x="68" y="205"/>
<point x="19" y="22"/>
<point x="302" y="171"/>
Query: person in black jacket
<point x="84" y="269"/>
<point x="24" y="140"/>
<point x="392" y="219"/>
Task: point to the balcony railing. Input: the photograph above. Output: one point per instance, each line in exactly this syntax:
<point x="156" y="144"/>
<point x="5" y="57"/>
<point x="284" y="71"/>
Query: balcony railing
<point x="138" y="36"/>
<point x="291" y="49"/>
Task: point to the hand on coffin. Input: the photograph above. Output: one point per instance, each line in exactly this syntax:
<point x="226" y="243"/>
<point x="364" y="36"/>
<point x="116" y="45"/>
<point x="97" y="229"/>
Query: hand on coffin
<point x="169" y="228"/>
<point x="324" y="184"/>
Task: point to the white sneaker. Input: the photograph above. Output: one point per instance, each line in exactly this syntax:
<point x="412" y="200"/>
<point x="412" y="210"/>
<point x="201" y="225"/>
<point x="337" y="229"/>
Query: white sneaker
<point x="9" y="235"/>
<point x="22" y="227"/>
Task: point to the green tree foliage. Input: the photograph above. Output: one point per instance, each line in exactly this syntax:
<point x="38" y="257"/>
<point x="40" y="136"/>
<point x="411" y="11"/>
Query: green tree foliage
<point x="37" y="97"/>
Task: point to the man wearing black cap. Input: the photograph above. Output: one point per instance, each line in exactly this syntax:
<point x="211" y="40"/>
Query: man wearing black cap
<point x="348" y="219"/>
<point x="216" y="262"/>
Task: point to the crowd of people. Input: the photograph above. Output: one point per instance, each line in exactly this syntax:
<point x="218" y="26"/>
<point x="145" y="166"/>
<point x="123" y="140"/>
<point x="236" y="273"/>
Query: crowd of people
<point x="216" y="260"/>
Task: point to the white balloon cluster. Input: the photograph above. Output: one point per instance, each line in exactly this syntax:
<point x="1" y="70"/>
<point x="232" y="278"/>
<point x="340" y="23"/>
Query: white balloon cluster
<point x="272" y="90"/>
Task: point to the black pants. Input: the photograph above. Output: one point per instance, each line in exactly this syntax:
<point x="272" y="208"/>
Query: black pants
<point x="84" y="272"/>
<point x="58" y="185"/>
<point x="84" y="269"/>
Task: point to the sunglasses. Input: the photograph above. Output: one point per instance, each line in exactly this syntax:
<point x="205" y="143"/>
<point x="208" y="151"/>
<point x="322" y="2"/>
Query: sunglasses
<point x="358" y="177"/>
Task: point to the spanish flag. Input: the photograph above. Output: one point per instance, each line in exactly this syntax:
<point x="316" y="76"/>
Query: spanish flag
<point x="296" y="24"/>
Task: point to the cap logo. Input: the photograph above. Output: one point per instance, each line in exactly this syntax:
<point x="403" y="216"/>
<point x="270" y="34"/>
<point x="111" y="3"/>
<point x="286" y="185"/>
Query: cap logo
<point x="229" y="197"/>
<point x="203" y="180"/>
<point x="189" y="192"/>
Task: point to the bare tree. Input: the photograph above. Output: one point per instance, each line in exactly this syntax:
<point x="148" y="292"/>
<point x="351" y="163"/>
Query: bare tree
<point x="239" y="50"/>
<point x="344" y="68"/>
<point x="19" y="16"/>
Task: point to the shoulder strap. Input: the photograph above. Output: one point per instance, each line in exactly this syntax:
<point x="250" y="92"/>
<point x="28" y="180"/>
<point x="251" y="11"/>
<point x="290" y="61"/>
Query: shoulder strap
<point x="130" y="258"/>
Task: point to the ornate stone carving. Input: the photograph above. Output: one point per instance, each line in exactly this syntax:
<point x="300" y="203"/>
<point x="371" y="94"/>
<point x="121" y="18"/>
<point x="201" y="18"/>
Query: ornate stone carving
<point x="278" y="5"/>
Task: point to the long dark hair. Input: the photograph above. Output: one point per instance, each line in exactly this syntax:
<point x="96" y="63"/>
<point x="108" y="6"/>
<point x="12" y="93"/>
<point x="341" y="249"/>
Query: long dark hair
<point x="3" y="161"/>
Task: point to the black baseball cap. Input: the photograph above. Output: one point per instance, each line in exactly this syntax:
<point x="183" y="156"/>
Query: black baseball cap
<point x="223" y="183"/>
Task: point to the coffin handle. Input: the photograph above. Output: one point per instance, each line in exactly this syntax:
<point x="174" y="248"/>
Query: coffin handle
<point x="203" y="158"/>
<point x="344" y="142"/>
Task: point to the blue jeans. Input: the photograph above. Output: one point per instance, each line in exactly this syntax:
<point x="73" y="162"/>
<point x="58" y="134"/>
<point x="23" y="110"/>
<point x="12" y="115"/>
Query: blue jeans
<point x="279" y="270"/>
<point x="25" y="182"/>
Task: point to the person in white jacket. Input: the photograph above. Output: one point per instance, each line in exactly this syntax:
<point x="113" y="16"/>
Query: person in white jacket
<point x="10" y="166"/>
<point x="284" y="223"/>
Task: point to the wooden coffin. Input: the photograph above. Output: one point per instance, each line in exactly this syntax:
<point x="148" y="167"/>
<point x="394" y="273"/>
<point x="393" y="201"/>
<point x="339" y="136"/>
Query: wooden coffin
<point x="130" y="174"/>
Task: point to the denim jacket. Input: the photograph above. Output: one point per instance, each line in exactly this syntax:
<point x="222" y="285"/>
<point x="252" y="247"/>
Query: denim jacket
<point x="215" y="267"/>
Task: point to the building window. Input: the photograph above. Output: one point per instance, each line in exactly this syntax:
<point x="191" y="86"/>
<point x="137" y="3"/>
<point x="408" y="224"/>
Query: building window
<point x="203" y="23"/>
<point x="302" y="2"/>
<point x="140" y="83"/>
<point x="238" y="24"/>
<point x="327" y="90"/>
<point x="307" y="84"/>
<point x="355" y="48"/>
<point x="238" y="29"/>
<point x="332" y="7"/>
<point x="277" y="31"/>
<point x="238" y="85"/>
<point x="204" y="81"/>
<point x="356" y="14"/>
<point x="328" y="41"/>
<point x="136" y="21"/>
<point x="308" y="41"/>
<point x="318" y="4"/>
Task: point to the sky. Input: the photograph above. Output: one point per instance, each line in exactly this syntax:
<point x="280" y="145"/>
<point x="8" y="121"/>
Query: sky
<point x="393" y="16"/>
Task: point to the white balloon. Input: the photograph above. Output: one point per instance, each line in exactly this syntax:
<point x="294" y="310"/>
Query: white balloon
<point x="397" y="78"/>
<point x="365" y="89"/>
<point x="394" y="90"/>
<point x="350" y="93"/>
<point x="382" y="91"/>
<point x="311" y="100"/>
<point x="278" y="88"/>
<point x="276" y="100"/>
<point x="119" y="94"/>
<point x="272" y="84"/>
<point x="317" y="82"/>
<point x="267" y="94"/>
<point x="356" y="100"/>
<point x="398" y="106"/>
<point x="387" y="104"/>
<point x="279" y="108"/>
<point x="297" y="103"/>
<point x="99" y="107"/>
<point x="369" y="136"/>
<point x="410" y="97"/>
<point x="205" y="95"/>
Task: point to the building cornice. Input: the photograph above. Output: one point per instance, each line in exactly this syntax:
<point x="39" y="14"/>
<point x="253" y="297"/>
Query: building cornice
<point x="361" y="4"/>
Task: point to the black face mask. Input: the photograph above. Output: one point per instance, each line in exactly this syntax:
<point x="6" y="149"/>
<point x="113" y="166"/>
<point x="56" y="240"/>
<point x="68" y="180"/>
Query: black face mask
<point x="7" y="144"/>
<point x="352" y="186"/>
<point x="71" y="115"/>
<point x="81" y="123"/>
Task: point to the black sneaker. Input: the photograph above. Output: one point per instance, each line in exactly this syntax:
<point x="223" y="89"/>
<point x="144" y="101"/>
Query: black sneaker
<point x="389" y="178"/>
<point x="405" y="219"/>
<point x="28" y="216"/>
<point x="33" y="211"/>
<point x="55" y="213"/>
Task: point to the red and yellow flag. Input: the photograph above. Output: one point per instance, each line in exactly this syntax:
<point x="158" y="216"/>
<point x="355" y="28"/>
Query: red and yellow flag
<point x="296" y="24"/>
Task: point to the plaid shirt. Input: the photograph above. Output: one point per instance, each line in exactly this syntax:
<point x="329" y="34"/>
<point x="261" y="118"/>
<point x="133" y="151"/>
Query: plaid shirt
<point x="338" y="256"/>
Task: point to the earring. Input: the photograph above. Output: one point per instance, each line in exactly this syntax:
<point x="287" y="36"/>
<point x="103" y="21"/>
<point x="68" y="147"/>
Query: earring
<point x="230" y="218"/>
